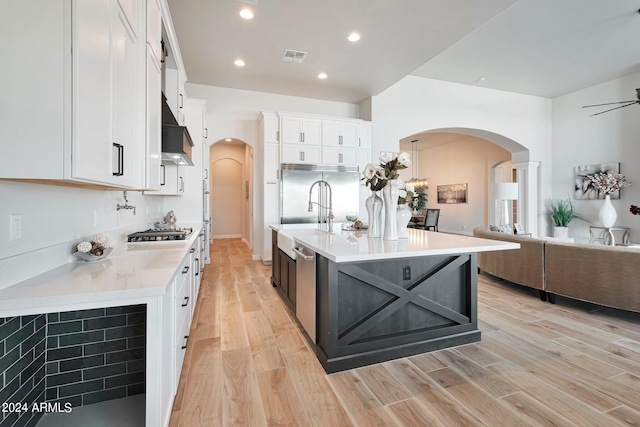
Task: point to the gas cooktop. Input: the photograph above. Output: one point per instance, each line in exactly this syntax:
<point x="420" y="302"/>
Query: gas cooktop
<point x="153" y="235"/>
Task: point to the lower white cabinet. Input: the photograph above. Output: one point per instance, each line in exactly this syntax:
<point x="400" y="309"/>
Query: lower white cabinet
<point x="339" y="156"/>
<point x="171" y="181"/>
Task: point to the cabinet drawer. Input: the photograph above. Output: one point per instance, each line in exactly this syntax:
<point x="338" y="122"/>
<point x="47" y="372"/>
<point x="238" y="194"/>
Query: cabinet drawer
<point x="182" y="341"/>
<point x="183" y="294"/>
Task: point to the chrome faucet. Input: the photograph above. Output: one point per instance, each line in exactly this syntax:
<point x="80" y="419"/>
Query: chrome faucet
<point x="330" y="216"/>
<point x="126" y="204"/>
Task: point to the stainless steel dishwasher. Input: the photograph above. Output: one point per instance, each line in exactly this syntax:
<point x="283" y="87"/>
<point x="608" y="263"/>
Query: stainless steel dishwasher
<point x="306" y="289"/>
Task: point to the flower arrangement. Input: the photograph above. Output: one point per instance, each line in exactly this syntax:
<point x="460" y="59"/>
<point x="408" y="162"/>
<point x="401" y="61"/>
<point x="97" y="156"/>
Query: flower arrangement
<point x="406" y="195"/>
<point x="608" y="183"/>
<point x="96" y="246"/>
<point x="377" y="177"/>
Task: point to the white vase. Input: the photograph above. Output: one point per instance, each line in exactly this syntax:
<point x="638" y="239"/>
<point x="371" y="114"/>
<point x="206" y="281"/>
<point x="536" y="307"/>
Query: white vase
<point x="607" y="213"/>
<point x="390" y="193"/>
<point x="374" y="210"/>
<point x="403" y="217"/>
<point x="561" y="232"/>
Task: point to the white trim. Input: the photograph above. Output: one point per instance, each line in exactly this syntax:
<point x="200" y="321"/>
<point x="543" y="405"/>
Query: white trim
<point x="255" y="257"/>
<point x="227" y="236"/>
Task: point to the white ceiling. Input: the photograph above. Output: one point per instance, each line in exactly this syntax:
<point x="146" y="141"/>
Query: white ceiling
<point x="538" y="47"/>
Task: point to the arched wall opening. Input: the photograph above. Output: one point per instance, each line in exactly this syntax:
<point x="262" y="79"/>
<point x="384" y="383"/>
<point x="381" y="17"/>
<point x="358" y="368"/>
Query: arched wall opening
<point x="231" y="190"/>
<point x="478" y="158"/>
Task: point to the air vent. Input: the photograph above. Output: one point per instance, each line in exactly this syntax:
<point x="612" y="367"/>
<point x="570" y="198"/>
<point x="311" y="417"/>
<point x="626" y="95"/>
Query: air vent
<point x="253" y="2"/>
<point x="291" y="55"/>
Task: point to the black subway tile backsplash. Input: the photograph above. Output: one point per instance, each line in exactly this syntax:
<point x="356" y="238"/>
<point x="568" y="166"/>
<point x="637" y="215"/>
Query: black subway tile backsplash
<point x="79" y="357"/>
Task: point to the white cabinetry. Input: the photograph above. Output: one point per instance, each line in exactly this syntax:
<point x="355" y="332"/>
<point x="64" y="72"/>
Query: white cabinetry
<point x="363" y="138"/>
<point x="339" y="133"/>
<point x="301" y="139"/>
<point x="171" y="181"/>
<point x="92" y="92"/>
<point x="154" y="28"/>
<point x="338" y="155"/>
<point x="301" y="153"/>
<point x="174" y="91"/>
<point x="154" y="122"/>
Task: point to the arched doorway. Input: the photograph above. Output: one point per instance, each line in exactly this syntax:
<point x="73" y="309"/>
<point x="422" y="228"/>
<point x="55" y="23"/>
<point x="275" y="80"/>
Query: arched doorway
<point x="471" y="156"/>
<point x="231" y="188"/>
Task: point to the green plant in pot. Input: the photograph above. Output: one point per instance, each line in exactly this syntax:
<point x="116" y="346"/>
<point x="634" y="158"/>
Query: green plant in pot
<point x="562" y="214"/>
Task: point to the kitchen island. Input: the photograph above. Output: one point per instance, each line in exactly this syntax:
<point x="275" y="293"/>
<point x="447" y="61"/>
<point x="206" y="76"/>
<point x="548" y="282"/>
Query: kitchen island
<point x="377" y="300"/>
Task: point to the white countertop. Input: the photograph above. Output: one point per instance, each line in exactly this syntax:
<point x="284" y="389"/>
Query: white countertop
<point x="350" y="246"/>
<point x="132" y="270"/>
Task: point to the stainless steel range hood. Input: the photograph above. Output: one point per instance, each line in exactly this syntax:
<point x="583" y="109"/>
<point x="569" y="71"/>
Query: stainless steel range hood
<point x="176" y="141"/>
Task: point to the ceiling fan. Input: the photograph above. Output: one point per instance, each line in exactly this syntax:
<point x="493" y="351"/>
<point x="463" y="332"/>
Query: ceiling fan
<point x="626" y="104"/>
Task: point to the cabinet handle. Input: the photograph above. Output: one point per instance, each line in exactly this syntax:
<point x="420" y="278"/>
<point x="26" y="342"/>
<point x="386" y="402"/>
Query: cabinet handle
<point x="181" y="101"/>
<point x="120" y="154"/>
<point x="186" y="302"/>
<point x="164" y="175"/>
<point x="303" y="156"/>
<point x="206" y="133"/>
<point x="300" y="136"/>
<point x="278" y="135"/>
<point x="303" y="135"/>
<point x="181" y="185"/>
<point x="359" y="142"/>
<point x="340" y="140"/>
<point x="198" y="268"/>
<point x="340" y="158"/>
<point x="192" y="250"/>
<point x="186" y="341"/>
<point x="206" y="174"/>
<point x="185" y="270"/>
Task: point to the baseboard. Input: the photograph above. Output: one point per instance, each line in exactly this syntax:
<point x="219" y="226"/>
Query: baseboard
<point x="227" y="236"/>
<point x="255" y="257"/>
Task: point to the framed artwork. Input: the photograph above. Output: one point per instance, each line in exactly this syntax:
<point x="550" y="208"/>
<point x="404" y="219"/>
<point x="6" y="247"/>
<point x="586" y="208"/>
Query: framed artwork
<point x="583" y="189"/>
<point x="452" y="193"/>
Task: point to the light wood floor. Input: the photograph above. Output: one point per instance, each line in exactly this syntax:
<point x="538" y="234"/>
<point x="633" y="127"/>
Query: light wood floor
<point x="569" y="364"/>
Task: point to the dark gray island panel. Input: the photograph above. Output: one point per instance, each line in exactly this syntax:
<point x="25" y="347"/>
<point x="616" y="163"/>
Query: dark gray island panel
<point x="373" y="311"/>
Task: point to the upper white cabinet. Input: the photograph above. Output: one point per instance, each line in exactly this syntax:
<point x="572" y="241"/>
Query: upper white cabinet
<point x="339" y="133"/>
<point x="154" y="29"/>
<point x="300" y="130"/>
<point x="363" y="135"/>
<point x="90" y="96"/>
<point x="174" y="91"/>
<point x="154" y="122"/>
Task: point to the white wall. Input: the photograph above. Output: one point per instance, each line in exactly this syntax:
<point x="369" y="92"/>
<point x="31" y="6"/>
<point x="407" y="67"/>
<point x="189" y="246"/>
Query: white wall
<point x="416" y="104"/>
<point x="233" y="113"/>
<point x="467" y="160"/>
<point x="55" y="217"/>
<point x="579" y="139"/>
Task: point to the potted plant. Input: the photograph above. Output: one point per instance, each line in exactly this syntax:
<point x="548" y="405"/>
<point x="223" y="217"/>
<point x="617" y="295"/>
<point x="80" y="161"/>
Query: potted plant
<point x="561" y="214"/>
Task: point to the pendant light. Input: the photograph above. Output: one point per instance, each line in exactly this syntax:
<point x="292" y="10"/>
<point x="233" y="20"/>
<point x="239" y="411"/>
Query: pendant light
<point x="416" y="182"/>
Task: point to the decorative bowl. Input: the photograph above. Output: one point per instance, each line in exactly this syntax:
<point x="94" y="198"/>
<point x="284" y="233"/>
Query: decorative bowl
<point x="87" y="257"/>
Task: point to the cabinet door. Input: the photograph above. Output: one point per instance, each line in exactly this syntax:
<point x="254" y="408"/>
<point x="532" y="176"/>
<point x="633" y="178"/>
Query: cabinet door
<point x="92" y="142"/>
<point x="330" y="133"/>
<point x="275" y="259"/>
<point x="126" y="102"/>
<point x="292" y="285"/>
<point x="312" y="132"/>
<point x="364" y="136"/>
<point x="284" y="273"/>
<point x="347" y="156"/>
<point x="182" y="97"/>
<point x="154" y="28"/>
<point x="131" y="11"/>
<point x="291" y="130"/>
<point x="348" y="134"/>
<point x="154" y="123"/>
<point x="271" y="163"/>
<point x="363" y="157"/>
<point x="331" y="155"/>
<point x="311" y="154"/>
<point x="291" y="153"/>
<point x="270" y="128"/>
<point x="271" y="211"/>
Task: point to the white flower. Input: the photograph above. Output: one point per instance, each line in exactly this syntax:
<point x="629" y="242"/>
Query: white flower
<point x="404" y="159"/>
<point x="369" y="171"/>
<point x="386" y="157"/>
<point x="402" y="194"/>
<point x="397" y="183"/>
<point x="409" y="187"/>
<point x="380" y="172"/>
<point x="102" y="240"/>
<point x="84" y="247"/>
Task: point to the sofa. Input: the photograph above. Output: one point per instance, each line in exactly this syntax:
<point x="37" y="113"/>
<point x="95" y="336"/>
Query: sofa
<point x="605" y="275"/>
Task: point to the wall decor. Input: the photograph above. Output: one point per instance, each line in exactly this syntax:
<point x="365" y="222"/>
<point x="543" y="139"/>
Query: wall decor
<point x="583" y="188"/>
<point x="452" y="193"/>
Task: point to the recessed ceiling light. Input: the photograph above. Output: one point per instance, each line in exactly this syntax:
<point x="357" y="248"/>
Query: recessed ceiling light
<point x="481" y="79"/>
<point x="322" y="76"/>
<point x="353" y="37"/>
<point x="239" y="62"/>
<point x="228" y="139"/>
<point x="246" y="13"/>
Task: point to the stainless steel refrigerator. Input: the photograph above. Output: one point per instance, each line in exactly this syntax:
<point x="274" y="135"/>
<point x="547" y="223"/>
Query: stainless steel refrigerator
<point x="296" y="181"/>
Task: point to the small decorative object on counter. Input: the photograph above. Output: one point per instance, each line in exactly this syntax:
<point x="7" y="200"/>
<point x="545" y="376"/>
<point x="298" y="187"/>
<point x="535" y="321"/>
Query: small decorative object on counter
<point x="374" y="210"/>
<point x="403" y="215"/>
<point x="390" y="194"/>
<point x="608" y="183"/>
<point x="634" y="209"/>
<point x="99" y="247"/>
